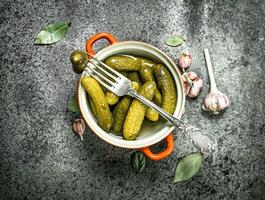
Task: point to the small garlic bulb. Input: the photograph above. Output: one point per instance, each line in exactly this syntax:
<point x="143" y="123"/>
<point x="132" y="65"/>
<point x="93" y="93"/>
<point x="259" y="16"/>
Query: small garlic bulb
<point x="215" y="101"/>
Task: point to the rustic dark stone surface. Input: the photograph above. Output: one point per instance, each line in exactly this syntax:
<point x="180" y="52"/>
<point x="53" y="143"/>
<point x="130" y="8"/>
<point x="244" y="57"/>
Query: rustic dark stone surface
<point x="40" y="157"/>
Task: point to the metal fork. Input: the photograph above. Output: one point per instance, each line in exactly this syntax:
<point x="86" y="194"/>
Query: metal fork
<point x="120" y="85"/>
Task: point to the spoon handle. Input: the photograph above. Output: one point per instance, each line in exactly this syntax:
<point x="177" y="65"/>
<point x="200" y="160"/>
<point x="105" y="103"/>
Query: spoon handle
<point x="210" y="69"/>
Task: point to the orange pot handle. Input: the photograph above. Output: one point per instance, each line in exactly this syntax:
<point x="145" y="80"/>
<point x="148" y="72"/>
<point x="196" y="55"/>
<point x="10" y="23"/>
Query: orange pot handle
<point x="159" y="156"/>
<point x="96" y="37"/>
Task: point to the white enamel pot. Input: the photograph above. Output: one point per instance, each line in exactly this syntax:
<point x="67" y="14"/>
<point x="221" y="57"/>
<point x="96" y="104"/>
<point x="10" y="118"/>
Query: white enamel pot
<point x="150" y="133"/>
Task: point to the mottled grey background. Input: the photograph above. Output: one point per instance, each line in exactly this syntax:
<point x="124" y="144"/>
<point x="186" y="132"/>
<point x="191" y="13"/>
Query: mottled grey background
<point x="40" y="157"/>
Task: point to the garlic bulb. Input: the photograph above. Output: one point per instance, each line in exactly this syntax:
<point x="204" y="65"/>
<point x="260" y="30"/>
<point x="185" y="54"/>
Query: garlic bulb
<point x="215" y="101"/>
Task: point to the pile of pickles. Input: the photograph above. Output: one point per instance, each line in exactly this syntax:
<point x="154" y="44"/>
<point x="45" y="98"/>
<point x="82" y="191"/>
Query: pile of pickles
<point x="123" y="116"/>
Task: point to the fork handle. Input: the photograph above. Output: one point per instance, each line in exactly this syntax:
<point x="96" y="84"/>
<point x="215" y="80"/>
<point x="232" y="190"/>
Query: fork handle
<point x="204" y="142"/>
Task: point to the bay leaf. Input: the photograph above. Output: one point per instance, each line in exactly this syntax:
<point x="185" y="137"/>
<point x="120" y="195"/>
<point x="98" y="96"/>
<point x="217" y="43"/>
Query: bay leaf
<point x="174" y="41"/>
<point x="188" y="167"/>
<point x="72" y="104"/>
<point x="138" y="161"/>
<point x="52" y="33"/>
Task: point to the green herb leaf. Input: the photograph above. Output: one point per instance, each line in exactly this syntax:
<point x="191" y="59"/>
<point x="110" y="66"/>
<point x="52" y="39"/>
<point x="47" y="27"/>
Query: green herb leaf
<point x="174" y="41"/>
<point x="138" y="161"/>
<point x="52" y="33"/>
<point x="188" y="167"/>
<point x="72" y="104"/>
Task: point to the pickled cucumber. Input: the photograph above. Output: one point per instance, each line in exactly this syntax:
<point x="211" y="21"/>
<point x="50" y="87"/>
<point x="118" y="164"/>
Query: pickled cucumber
<point x="146" y="74"/>
<point x="124" y="74"/>
<point x="146" y="62"/>
<point x="167" y="87"/>
<point x="92" y="106"/>
<point x="120" y="111"/>
<point x="123" y="63"/>
<point x="157" y="99"/>
<point x="111" y="98"/>
<point x="136" y="113"/>
<point x="152" y="115"/>
<point x="135" y="85"/>
<point x="79" y="60"/>
<point x="134" y="76"/>
<point x="104" y="115"/>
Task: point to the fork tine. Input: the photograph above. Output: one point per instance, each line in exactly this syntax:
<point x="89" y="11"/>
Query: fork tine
<point x="98" y="79"/>
<point x="106" y="66"/>
<point x="106" y="72"/>
<point x="102" y="77"/>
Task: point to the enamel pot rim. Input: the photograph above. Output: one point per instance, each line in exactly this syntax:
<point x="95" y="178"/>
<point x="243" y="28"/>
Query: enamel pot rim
<point x="154" y="137"/>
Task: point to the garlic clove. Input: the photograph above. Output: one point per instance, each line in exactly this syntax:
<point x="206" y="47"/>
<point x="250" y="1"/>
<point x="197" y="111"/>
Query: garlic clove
<point x="215" y="102"/>
<point x="184" y="60"/>
<point x="79" y="127"/>
<point x="195" y="90"/>
<point x="192" y="75"/>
